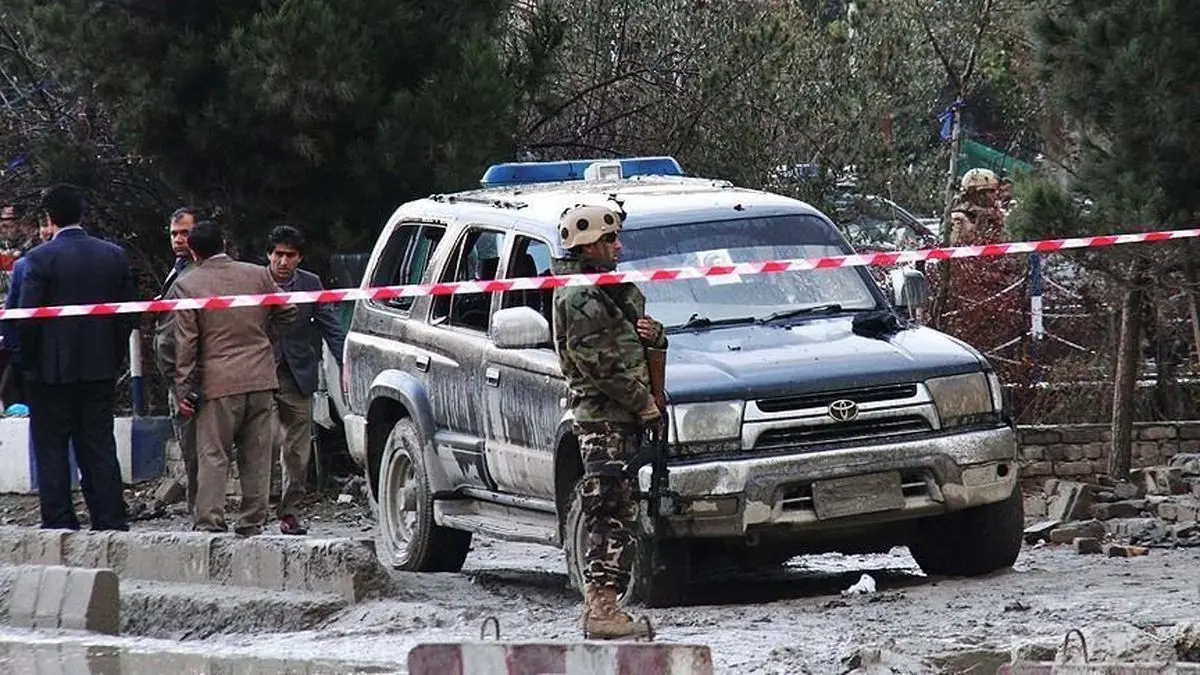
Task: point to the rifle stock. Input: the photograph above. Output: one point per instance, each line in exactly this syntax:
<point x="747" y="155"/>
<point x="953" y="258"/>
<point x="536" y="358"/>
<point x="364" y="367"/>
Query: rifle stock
<point x="656" y="362"/>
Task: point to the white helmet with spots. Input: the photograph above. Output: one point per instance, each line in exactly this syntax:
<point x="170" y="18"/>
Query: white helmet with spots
<point x="980" y="179"/>
<point x="586" y="224"/>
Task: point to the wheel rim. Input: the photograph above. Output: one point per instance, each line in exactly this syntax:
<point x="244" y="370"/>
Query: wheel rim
<point x="398" y="505"/>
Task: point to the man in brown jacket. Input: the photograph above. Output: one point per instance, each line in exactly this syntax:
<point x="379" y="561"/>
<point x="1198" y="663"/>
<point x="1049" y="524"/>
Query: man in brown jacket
<point x="225" y="375"/>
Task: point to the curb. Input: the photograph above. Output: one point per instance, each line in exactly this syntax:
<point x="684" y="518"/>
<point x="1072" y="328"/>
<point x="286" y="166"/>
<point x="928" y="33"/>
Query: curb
<point x="141" y="451"/>
<point x="343" y="567"/>
<point x="582" y="658"/>
<point x="73" y="598"/>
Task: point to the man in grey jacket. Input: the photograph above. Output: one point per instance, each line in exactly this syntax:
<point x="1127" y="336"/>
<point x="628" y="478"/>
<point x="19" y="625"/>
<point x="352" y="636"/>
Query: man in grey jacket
<point x="298" y="357"/>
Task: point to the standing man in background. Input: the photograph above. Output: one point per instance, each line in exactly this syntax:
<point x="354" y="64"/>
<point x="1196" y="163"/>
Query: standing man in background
<point x="298" y="357"/>
<point x="12" y="389"/>
<point x="225" y="376"/>
<point x="178" y="229"/>
<point x="71" y="364"/>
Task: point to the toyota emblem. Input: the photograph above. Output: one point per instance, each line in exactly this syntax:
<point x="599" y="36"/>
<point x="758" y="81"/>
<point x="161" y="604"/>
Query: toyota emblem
<point x="843" y="410"/>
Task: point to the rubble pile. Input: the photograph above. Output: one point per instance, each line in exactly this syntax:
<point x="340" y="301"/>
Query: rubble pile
<point x="1158" y="507"/>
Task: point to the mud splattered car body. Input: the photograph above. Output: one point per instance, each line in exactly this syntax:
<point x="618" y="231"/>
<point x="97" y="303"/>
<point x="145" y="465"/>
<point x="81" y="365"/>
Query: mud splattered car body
<point x="799" y="421"/>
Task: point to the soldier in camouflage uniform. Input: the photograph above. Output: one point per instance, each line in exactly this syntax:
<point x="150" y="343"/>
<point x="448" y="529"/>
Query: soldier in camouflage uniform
<point x="601" y="334"/>
<point x="977" y="219"/>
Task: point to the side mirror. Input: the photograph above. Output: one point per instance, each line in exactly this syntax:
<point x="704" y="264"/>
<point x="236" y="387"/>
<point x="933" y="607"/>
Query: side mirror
<point x="910" y="289"/>
<point x="519" y="328"/>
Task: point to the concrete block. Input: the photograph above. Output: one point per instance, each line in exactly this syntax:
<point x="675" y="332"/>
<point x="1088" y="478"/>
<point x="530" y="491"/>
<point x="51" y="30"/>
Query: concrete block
<point x="1168" y="511"/>
<point x="91" y="601"/>
<point x="52" y="591"/>
<point x="1067" y="533"/>
<point x="1156" y="433"/>
<point x="1125" y="490"/>
<point x="1035" y="506"/>
<point x="1159" y="480"/>
<point x="172" y="557"/>
<point x="1122" y="509"/>
<point x="42" y="547"/>
<point x="22" y="602"/>
<point x="592" y="658"/>
<point x="258" y="565"/>
<point x="1087" y="545"/>
<point x="1071" y="501"/>
<point x="170" y="491"/>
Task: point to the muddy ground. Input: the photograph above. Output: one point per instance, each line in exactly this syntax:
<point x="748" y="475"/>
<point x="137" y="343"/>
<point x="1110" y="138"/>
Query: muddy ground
<point x="793" y="621"/>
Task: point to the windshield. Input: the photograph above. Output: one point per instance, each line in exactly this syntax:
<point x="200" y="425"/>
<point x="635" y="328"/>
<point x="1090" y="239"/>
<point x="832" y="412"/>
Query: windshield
<point x="736" y="241"/>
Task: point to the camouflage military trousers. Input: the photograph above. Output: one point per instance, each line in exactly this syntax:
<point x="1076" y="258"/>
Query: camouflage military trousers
<point x="609" y="502"/>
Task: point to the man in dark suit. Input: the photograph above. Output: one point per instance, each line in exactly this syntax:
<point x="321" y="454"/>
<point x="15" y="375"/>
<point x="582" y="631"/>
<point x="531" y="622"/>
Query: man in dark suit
<point x="71" y="364"/>
<point x="298" y="357"/>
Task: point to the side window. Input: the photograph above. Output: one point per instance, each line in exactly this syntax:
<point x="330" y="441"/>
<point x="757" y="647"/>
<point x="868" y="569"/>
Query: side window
<point x="530" y="258"/>
<point x="405" y="258"/>
<point x="476" y="259"/>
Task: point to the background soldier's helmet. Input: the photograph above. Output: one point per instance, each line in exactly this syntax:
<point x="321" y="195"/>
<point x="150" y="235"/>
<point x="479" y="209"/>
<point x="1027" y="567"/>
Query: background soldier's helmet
<point x="980" y="179"/>
<point x="582" y="225"/>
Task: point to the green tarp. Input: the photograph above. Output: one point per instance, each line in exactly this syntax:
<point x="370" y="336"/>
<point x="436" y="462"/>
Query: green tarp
<point x="976" y="155"/>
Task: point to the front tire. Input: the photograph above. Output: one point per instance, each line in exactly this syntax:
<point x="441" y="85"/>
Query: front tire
<point x="409" y="539"/>
<point x="661" y="571"/>
<point x="972" y="542"/>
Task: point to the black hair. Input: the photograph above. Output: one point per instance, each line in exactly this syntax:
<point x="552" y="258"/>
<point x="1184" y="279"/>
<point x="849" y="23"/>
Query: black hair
<point x="206" y="239"/>
<point x="64" y="204"/>
<point x="287" y="235"/>
<point x="193" y="211"/>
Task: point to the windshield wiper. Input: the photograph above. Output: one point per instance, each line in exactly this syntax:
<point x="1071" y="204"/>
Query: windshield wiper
<point x="827" y="308"/>
<point x="697" y="321"/>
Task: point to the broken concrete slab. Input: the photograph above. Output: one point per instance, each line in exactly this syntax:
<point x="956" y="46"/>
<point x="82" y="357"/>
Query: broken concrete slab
<point x="1071" y="501"/>
<point x="1123" y="509"/>
<point x="1158" y="480"/>
<point x="1035" y="506"/>
<point x="170" y="491"/>
<point x="1041" y="530"/>
<point x="1125" y="490"/>
<point x="1188" y="463"/>
<point x="1065" y="534"/>
<point x="1087" y="545"/>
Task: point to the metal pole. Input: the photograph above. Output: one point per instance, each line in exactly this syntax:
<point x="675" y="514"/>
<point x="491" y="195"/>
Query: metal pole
<point x="135" y="372"/>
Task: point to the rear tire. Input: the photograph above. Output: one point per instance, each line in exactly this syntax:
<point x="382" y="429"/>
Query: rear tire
<point x="661" y="570"/>
<point x="973" y="542"/>
<point x="409" y="539"/>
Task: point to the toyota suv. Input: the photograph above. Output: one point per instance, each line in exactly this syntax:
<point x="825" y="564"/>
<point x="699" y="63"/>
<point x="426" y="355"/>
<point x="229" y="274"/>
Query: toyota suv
<point x="804" y="415"/>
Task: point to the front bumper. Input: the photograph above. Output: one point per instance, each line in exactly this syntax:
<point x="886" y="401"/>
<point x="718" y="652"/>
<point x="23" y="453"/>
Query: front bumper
<point x="729" y="498"/>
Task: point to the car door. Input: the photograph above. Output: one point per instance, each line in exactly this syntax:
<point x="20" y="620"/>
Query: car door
<point x="525" y="390"/>
<point x="453" y="342"/>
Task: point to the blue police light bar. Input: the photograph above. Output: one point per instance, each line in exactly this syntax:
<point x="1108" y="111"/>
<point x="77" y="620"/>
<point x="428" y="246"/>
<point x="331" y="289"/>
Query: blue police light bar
<point x="518" y="173"/>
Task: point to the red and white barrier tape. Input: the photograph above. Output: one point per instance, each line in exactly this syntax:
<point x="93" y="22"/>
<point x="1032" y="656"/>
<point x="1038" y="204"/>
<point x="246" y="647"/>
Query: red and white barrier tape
<point x="543" y="283"/>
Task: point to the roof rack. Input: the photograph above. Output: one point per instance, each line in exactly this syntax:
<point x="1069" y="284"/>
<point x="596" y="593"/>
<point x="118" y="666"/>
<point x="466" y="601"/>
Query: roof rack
<point x="520" y="173"/>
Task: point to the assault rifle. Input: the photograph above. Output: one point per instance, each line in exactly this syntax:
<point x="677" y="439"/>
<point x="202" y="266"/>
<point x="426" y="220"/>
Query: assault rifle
<point x="661" y="500"/>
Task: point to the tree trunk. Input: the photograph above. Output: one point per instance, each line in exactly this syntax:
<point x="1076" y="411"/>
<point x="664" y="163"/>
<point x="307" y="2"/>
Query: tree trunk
<point x="1189" y="271"/>
<point x="1128" y="358"/>
<point x="943" y="289"/>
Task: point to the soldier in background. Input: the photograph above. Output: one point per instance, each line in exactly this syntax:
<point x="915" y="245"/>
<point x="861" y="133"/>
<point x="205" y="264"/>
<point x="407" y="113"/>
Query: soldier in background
<point x="601" y="335"/>
<point x="976" y="219"/>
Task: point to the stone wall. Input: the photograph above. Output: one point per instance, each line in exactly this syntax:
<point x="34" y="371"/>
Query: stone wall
<point x="1080" y="451"/>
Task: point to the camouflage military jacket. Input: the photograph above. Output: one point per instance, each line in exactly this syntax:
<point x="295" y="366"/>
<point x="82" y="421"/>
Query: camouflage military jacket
<point x="601" y="355"/>
<point x="975" y="225"/>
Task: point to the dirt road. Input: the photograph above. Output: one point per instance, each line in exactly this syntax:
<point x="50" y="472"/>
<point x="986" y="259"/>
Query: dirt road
<point x="793" y="621"/>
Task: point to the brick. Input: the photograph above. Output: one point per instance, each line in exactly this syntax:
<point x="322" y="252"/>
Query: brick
<point x="1087" y="545"/>
<point x="1072" y="469"/>
<point x="1033" y="453"/>
<point x="1056" y="453"/>
<point x="1042" y="436"/>
<point x="1145" y="451"/>
<point x="1125" y="528"/>
<point x="1189" y="430"/>
<point x="1038" y="469"/>
<point x="1125" y="490"/>
<point x="1187" y="512"/>
<point x="91" y="601"/>
<point x="1156" y="433"/>
<point x="170" y="491"/>
<point x="1193" y="486"/>
<point x="1124" y="509"/>
<point x="1073" y="453"/>
<point x="1050" y="486"/>
<point x="1066" y="534"/>
<point x="1122" y="551"/>
<point x="1081" y="434"/>
<point x="1036" y="506"/>
<point x="1188" y="447"/>
<point x="1168" y="511"/>
<point x="1168" y="450"/>
<point x="1095" y="451"/>
<point x="1159" y="480"/>
<point x="1100" y="466"/>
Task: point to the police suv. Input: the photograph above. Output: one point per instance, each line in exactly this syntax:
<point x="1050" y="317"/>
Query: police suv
<point x="805" y="416"/>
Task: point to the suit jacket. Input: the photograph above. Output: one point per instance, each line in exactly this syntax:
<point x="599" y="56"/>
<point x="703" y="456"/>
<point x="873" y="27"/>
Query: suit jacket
<point x="224" y="352"/>
<point x="299" y="345"/>
<point x="164" y="325"/>
<point x="75" y="268"/>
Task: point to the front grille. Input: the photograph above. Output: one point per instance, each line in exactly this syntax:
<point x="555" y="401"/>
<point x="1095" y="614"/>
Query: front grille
<point x="841" y="432"/>
<point x="824" y="399"/>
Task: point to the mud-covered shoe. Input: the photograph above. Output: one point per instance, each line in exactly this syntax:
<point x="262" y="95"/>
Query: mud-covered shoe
<point x="602" y="620"/>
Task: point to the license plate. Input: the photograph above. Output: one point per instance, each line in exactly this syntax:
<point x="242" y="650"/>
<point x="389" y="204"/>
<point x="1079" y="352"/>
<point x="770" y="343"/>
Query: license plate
<point x="856" y="495"/>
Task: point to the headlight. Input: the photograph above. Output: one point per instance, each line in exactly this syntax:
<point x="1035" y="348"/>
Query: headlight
<point x="963" y="399"/>
<point x="703" y="422"/>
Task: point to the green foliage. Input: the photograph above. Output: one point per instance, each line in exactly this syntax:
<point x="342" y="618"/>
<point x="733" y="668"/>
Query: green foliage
<point x="323" y="113"/>
<point x="1044" y="210"/>
<point x="1124" y="72"/>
